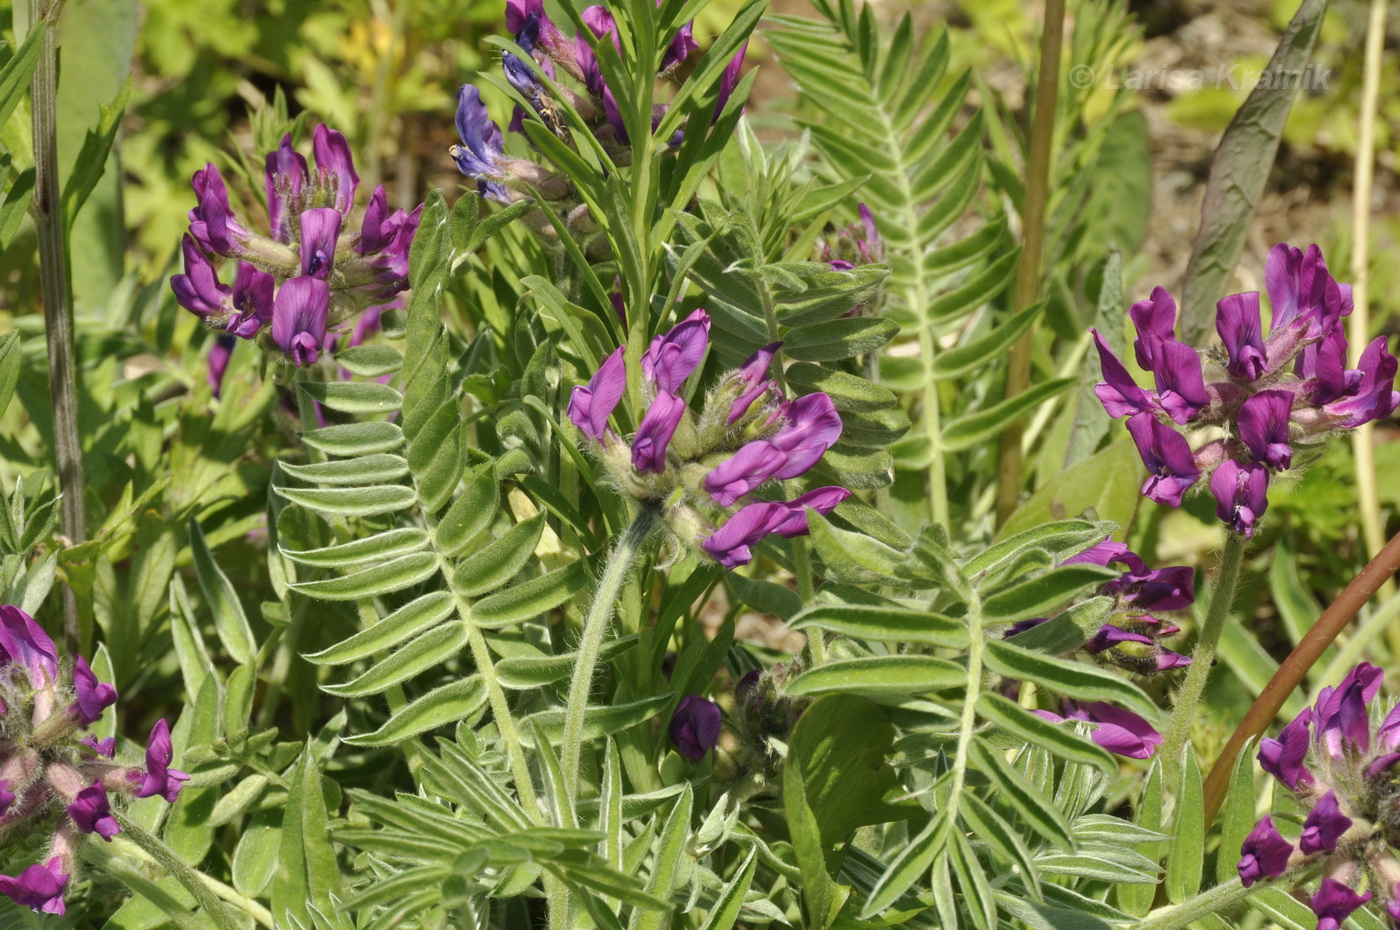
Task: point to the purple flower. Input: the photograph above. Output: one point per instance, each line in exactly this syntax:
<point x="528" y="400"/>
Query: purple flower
<point x="483" y="147"/>
<point x="1388" y="735"/>
<point x="1155" y="319"/>
<point x="211" y="221"/>
<point x="24" y="643"/>
<point x="1374" y="396"/>
<point x="1284" y="757"/>
<point x="731" y="544"/>
<point x="1118" y="392"/>
<point x="752" y="465"/>
<point x="199" y="290"/>
<point x="335" y="167"/>
<point x="1341" y="713"/>
<point x="299" y="318"/>
<point x="812" y="427"/>
<point x="252" y="301"/>
<point x="1302" y="293"/>
<point x="590" y="407"/>
<point x="92" y="812"/>
<point x="39" y="887"/>
<point x="1241" y="494"/>
<point x="7" y="797"/>
<point x="1119" y="731"/>
<point x="1170" y="588"/>
<point x="320" y="229"/>
<point x="283" y="178"/>
<point x="1334" y="903"/>
<point x="822" y="500"/>
<point x="671" y="358"/>
<point x="655" y="432"/>
<point x="159" y="778"/>
<point x="729" y="80"/>
<point x="1237" y="321"/>
<point x="1324" y="364"/>
<point x="1324" y="826"/>
<point x="1167" y="455"/>
<point x="1109" y="636"/>
<point x="1263" y="422"/>
<point x="753" y="375"/>
<point x="1264" y="853"/>
<point x="1181" y="385"/>
<point x="681" y="46"/>
<point x="220" y="354"/>
<point x="93" y="696"/>
<point x="107" y="748"/>
<point x="695" y="726"/>
<point x="1393" y="906"/>
<point x="1109" y="551"/>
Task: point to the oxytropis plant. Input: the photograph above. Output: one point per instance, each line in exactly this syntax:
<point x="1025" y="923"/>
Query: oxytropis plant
<point x="314" y="273"/>
<point x="1338" y="758"/>
<point x="1270" y="402"/>
<point x="56" y="777"/>
<point x="696" y="468"/>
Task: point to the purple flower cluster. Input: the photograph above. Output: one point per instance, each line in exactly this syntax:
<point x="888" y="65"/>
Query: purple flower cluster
<point x="314" y="271"/>
<point x="748" y="434"/>
<point x="52" y="771"/>
<point x="1269" y="397"/>
<point x="858" y="244"/>
<point x="1140" y="595"/>
<point x="1338" y="758"/>
<point x="552" y="55"/>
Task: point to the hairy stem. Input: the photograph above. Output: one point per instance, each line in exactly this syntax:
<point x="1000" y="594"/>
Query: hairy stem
<point x="195" y="882"/>
<point x="1359" y="324"/>
<point x="1222" y="597"/>
<point x="1188" y="912"/>
<point x="1266" y="707"/>
<point x="595" y="628"/>
<point x="1038" y="159"/>
<point x="54" y="282"/>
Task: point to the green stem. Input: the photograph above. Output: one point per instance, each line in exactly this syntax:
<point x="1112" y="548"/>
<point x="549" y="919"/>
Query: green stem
<point x="595" y="627"/>
<point x="55" y="286"/>
<point x="194" y="881"/>
<point x="1209" y="902"/>
<point x="1222" y="597"/>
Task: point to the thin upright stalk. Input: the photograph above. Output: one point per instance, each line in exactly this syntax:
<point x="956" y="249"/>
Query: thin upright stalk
<point x="1038" y="159"/>
<point x="1359" y="326"/>
<point x="54" y="283"/>
<point x="1266" y="707"/>
<point x="1222" y="597"/>
<point x="595" y="628"/>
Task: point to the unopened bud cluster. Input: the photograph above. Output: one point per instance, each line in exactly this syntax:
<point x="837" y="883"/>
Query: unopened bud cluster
<point x="55" y="775"/>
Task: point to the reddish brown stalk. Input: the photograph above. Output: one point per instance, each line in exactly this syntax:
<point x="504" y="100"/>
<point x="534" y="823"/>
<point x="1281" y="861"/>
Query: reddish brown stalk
<point x="1266" y="707"/>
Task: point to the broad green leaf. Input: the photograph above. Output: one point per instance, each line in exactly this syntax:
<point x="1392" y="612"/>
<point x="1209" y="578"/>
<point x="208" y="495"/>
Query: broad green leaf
<point x="892" y="624"/>
<point x="448" y="704"/>
<point x="1041" y="595"/>
<point x="1067" y="677"/>
<point x="429" y="650"/>
<point x="854" y="557"/>
<point x="10" y="364"/>
<point x="229" y="619"/>
<point x="978" y="902"/>
<point x="369" y="469"/>
<point x="1135" y="899"/>
<point x="469" y="514"/>
<point x="725" y="913"/>
<point x="308" y="874"/>
<point x="353" y="502"/>
<point x="91" y="162"/>
<point x="397" y="627"/>
<point x="256" y="856"/>
<point x="667" y="858"/>
<point x="1108" y="483"/>
<point x="877" y="675"/>
<point x="19" y="70"/>
<point x="1238" y="810"/>
<point x="355" y="439"/>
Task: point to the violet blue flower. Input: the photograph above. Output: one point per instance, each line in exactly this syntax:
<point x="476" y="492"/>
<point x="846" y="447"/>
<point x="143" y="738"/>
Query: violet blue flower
<point x="1155" y="319"/>
<point x="91" y="812"/>
<point x="695" y="726"/>
<point x="39" y="887"/>
<point x="731" y="544"/>
<point x="655" y="432"/>
<point x="1285" y="756"/>
<point x="320" y="229"/>
<point x="483" y="147"/>
<point x="1334" y="903"/>
<point x="1170" y="588"/>
<point x="1181" y="386"/>
<point x="1167" y="455"/>
<point x="1120" y="731"/>
<point x="670" y="359"/>
<point x="1106" y="552"/>
<point x="1238" y="323"/>
<point x="1324" y="826"/>
<point x="106" y="748"/>
<point x="25" y="644"/>
<point x="299" y="319"/>
<point x="1324" y="365"/>
<point x="1241" y="494"/>
<point x="1264" y="853"/>
<point x="822" y="500"/>
<point x="199" y="290"/>
<point x="1374" y="396"/>
<point x="590" y="407"/>
<point x="1263" y="422"/>
<point x="753" y="374"/>
<point x="1341" y="713"/>
<point x="1118" y="392"/>
<point x="93" y="696"/>
<point x="1388" y="734"/>
<point x="335" y="167"/>
<point x="284" y="176"/>
<point x="159" y="778"/>
<point x="750" y="467"/>
<point x="812" y="427"/>
<point x="729" y="80"/>
<point x="1298" y="284"/>
<point x="211" y="221"/>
